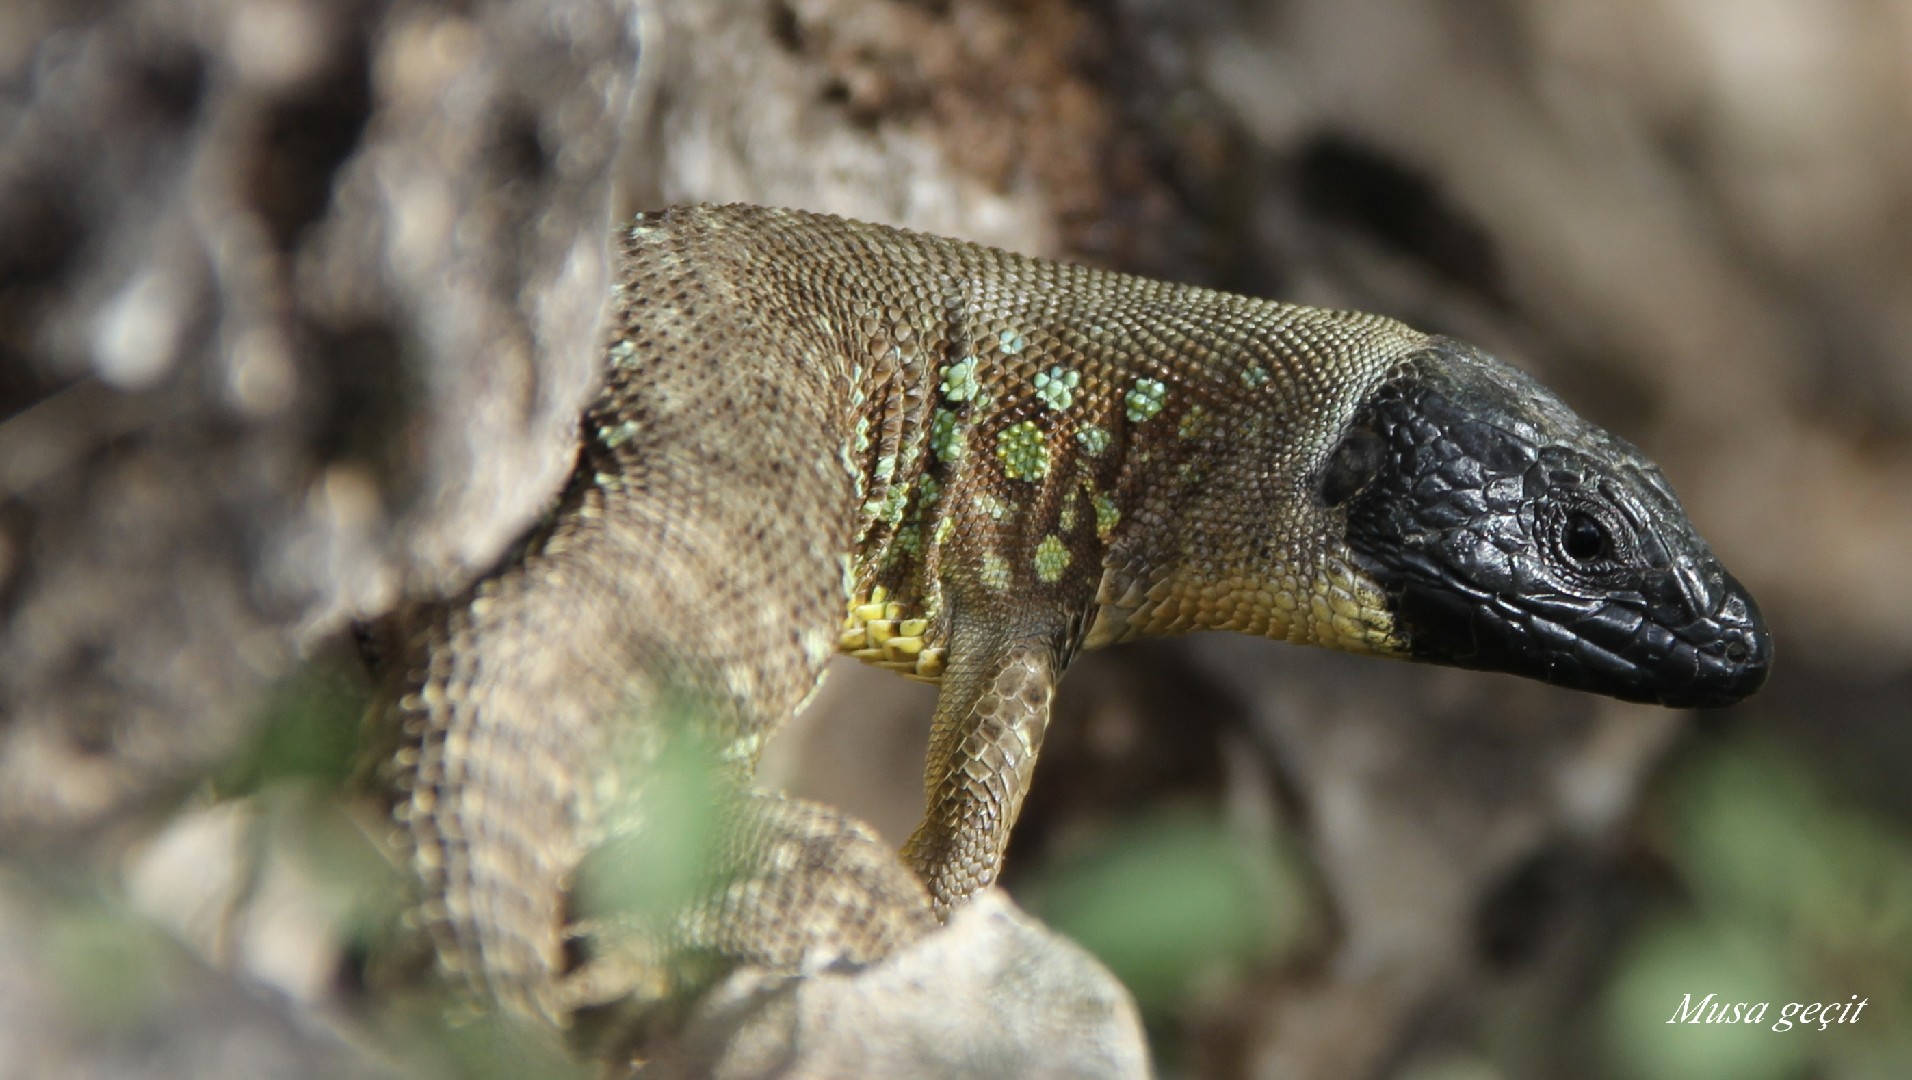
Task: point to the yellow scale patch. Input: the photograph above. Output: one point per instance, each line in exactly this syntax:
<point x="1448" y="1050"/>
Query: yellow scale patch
<point x="885" y="633"/>
<point x="1340" y="609"/>
<point x="1350" y="614"/>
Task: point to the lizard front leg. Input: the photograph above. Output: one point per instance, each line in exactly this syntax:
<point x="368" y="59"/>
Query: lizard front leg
<point x="990" y="719"/>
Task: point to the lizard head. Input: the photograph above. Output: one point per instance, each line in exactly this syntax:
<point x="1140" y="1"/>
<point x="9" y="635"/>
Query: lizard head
<point x="1508" y="534"/>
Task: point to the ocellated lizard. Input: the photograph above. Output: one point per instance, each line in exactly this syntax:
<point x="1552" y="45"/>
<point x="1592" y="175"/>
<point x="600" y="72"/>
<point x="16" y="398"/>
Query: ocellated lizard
<point x="816" y="435"/>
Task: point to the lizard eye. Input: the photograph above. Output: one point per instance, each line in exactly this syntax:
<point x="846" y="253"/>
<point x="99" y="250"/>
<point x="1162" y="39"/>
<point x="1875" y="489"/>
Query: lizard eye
<point x="1352" y="465"/>
<point x="1589" y="540"/>
<point x="1583" y="539"/>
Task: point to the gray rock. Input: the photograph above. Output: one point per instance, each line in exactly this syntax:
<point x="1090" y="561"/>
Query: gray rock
<point x="994" y="996"/>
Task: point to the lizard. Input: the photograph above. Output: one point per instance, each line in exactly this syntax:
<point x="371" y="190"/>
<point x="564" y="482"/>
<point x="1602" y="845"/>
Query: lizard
<point x="815" y="436"/>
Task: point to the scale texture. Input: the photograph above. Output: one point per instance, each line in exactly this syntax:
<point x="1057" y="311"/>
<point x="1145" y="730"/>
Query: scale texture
<point x="815" y="435"/>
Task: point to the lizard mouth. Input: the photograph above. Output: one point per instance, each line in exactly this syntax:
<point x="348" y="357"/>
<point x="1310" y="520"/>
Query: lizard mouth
<point x="1606" y="645"/>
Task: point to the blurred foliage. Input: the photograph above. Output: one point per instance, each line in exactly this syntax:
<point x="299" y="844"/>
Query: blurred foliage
<point x="303" y="824"/>
<point x="110" y="967"/>
<point x="1172" y="896"/>
<point x="1452" y="1067"/>
<point x="432" y="1043"/>
<point x="309" y="728"/>
<point x="1792" y="894"/>
<point x="294" y="777"/>
<point x="671" y="848"/>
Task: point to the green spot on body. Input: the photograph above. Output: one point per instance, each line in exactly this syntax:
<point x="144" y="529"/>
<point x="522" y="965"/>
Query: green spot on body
<point x="1051" y="558"/>
<point x="1145" y="399"/>
<point x="1106" y="514"/>
<point x="1068" y="515"/>
<point x="1011" y="342"/>
<point x="1094" y="440"/>
<point x="1194" y="422"/>
<point x="959" y="380"/>
<point x="886" y="466"/>
<point x="1023" y="451"/>
<point x="862" y="434"/>
<point x="616" y="435"/>
<point x="913" y="464"/>
<point x="1253" y="376"/>
<point x="895" y="501"/>
<point x="624" y="353"/>
<point x="909" y="541"/>
<point x="991" y="506"/>
<point x="945" y="437"/>
<point x="943" y="528"/>
<point x="995" y="572"/>
<point x="1055" y="388"/>
<point x="928" y="491"/>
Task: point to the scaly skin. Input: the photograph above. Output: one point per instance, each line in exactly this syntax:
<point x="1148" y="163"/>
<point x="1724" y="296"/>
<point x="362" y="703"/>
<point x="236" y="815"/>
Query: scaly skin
<point x="987" y="463"/>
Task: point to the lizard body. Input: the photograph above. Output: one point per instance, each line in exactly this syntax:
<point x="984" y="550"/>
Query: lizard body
<point x="966" y="465"/>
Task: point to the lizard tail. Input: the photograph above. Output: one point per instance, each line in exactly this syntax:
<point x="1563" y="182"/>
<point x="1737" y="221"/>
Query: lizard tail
<point x="498" y="774"/>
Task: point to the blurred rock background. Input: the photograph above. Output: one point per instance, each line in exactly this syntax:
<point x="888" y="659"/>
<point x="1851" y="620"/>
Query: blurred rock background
<point x="295" y="303"/>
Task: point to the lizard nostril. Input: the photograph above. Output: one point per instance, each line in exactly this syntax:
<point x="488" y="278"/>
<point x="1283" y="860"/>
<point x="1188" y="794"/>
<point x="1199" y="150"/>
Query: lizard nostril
<point x="1738" y="651"/>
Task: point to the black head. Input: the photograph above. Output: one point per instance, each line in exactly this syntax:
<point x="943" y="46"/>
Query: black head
<point x="1510" y="535"/>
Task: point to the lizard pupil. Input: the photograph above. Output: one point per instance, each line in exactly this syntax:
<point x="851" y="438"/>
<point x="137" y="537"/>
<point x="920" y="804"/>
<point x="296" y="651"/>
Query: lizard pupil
<point x="1585" y="539"/>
